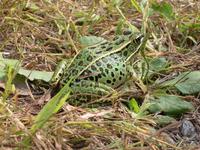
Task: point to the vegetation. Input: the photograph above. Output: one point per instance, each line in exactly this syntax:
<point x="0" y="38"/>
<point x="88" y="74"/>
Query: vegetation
<point x="160" y="108"/>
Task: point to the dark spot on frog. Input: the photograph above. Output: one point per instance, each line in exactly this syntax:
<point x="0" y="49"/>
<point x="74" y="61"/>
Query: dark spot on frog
<point x="79" y="56"/>
<point x="77" y="80"/>
<point x="101" y="69"/>
<point x="120" y="41"/>
<point x="83" y="83"/>
<point x="93" y="67"/>
<point x="80" y="63"/>
<point x="107" y="71"/>
<point x="104" y="43"/>
<point x="89" y="58"/>
<point x="60" y="74"/>
<point x="115" y="38"/>
<point x="109" y="48"/>
<point x="125" y="53"/>
<point x="103" y="74"/>
<point x="114" y="80"/>
<point x="88" y="72"/>
<point x="91" y="78"/>
<point x="88" y="97"/>
<point x="92" y="47"/>
<point x="124" y="65"/>
<point x="96" y="78"/>
<point x="74" y="71"/>
<point x="99" y="51"/>
<point x="105" y="60"/>
<point x="98" y="63"/>
<point x="120" y="78"/>
<point x="99" y="76"/>
<point x="71" y="84"/>
<point x="103" y="47"/>
<point x="108" y="81"/>
<point x="109" y="66"/>
<point x="121" y="73"/>
<point x="116" y="69"/>
<point x="112" y="74"/>
<point x="99" y="92"/>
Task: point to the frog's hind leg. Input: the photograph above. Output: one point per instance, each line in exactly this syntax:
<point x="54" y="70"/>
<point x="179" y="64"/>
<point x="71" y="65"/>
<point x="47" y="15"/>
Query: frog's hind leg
<point x="85" y="87"/>
<point x="87" y="91"/>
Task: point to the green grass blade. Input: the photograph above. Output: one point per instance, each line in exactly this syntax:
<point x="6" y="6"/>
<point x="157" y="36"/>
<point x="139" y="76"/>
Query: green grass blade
<point x="136" y="5"/>
<point x="48" y="110"/>
<point x="51" y="108"/>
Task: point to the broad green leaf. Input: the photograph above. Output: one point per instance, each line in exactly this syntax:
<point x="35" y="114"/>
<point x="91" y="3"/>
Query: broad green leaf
<point x="10" y="62"/>
<point x="164" y="8"/>
<point x="30" y="74"/>
<point x="170" y="104"/>
<point x="185" y="27"/>
<point x="164" y="120"/>
<point x="186" y="83"/>
<point x="91" y="40"/>
<point x="157" y="64"/>
<point x="36" y="75"/>
<point x="133" y="105"/>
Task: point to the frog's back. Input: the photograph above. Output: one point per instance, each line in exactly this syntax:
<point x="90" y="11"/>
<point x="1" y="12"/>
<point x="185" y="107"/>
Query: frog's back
<point x="82" y="60"/>
<point x="99" y="64"/>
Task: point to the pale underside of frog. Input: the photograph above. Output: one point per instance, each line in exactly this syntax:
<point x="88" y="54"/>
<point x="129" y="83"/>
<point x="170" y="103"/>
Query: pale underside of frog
<point x="98" y="69"/>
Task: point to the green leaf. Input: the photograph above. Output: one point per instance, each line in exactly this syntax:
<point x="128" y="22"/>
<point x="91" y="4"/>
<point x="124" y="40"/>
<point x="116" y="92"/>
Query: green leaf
<point x="10" y="62"/>
<point x="157" y="65"/>
<point x="30" y="74"/>
<point x="165" y="9"/>
<point x="164" y="120"/>
<point x="91" y="40"/>
<point x="186" y="83"/>
<point x="170" y="104"/>
<point x="36" y="75"/>
<point x="133" y="105"/>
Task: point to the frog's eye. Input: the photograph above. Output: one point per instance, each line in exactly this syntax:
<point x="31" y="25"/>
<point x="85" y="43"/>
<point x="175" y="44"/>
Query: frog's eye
<point x="139" y="38"/>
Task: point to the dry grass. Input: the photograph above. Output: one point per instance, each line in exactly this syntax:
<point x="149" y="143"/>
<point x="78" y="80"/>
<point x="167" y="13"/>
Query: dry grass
<point x="35" y="32"/>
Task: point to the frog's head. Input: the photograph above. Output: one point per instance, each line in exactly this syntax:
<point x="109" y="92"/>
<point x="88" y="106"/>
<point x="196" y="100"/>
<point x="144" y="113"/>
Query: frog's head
<point x="59" y="72"/>
<point x="137" y="42"/>
<point x="135" y="37"/>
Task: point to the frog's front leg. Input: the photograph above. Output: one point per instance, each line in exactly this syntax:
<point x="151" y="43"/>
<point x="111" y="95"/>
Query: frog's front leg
<point x="59" y="71"/>
<point x="87" y="87"/>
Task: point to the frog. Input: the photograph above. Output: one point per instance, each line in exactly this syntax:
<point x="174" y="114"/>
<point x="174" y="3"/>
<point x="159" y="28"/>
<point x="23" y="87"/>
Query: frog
<point x="101" y="68"/>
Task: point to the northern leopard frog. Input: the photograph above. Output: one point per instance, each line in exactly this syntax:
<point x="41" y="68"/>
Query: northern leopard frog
<point x="100" y="68"/>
